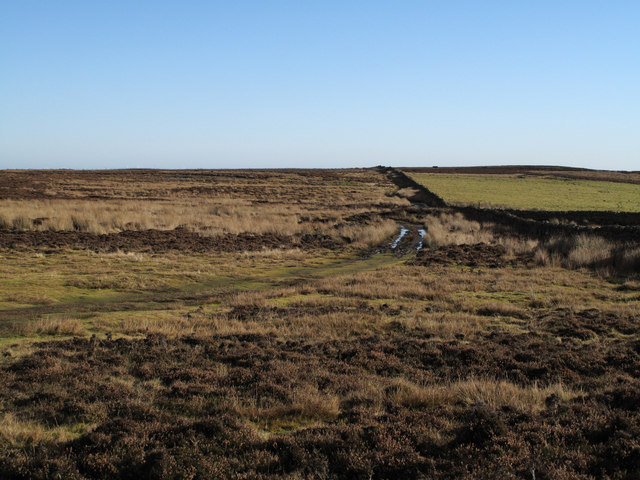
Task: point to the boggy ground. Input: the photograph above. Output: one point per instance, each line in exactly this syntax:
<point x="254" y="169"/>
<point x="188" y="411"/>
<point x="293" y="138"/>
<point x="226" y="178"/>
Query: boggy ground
<point x="468" y="359"/>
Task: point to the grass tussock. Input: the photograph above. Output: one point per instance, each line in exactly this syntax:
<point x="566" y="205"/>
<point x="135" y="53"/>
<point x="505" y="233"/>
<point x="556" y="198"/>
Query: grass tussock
<point x="496" y="393"/>
<point x="592" y="252"/>
<point x="455" y="229"/>
<point x="506" y="309"/>
<point x="4" y="223"/>
<point x="30" y="299"/>
<point x="573" y="252"/>
<point x="447" y="325"/>
<point x="378" y="284"/>
<point x="54" y="326"/>
<point x="125" y="283"/>
<point x="307" y="406"/>
<point x="369" y="235"/>
<point x="21" y="223"/>
<point x="18" y="433"/>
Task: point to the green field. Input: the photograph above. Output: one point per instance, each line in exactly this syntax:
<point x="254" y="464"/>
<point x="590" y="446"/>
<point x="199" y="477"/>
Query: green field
<point x="532" y="193"/>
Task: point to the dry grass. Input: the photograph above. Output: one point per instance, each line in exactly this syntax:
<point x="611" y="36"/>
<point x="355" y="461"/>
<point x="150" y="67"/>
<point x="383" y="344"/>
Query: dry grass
<point x="206" y="217"/>
<point x="4" y="223"/>
<point x="126" y="283"/>
<point x="573" y="252"/>
<point x="447" y="325"/>
<point x="454" y="229"/>
<point x="501" y="308"/>
<point x="30" y="299"/>
<point x="15" y="432"/>
<point x="174" y="325"/>
<point x="381" y="284"/>
<point x="62" y="326"/>
<point x="222" y="215"/>
<point x="588" y="251"/>
<point x="306" y="407"/>
<point x="369" y="235"/>
<point x="210" y="203"/>
<point x="275" y="254"/>
<point x="496" y="393"/>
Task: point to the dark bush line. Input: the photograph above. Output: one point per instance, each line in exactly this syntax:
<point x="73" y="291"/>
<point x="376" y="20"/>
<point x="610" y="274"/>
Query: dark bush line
<point x="586" y="217"/>
<point x="545" y="230"/>
<point x="423" y="194"/>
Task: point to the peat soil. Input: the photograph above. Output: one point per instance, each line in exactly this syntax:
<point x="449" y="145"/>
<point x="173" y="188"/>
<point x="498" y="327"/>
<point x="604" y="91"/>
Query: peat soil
<point x="471" y="255"/>
<point x="159" y="241"/>
<point x="177" y="412"/>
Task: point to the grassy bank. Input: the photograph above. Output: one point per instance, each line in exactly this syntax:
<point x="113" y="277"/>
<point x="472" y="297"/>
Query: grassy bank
<point x="532" y="193"/>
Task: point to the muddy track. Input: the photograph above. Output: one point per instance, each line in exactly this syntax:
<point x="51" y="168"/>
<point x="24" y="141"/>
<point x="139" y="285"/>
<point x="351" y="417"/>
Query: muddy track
<point x="409" y="239"/>
<point x="535" y="225"/>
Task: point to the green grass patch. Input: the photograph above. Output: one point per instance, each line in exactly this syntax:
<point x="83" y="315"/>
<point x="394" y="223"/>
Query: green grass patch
<point x="532" y="193"/>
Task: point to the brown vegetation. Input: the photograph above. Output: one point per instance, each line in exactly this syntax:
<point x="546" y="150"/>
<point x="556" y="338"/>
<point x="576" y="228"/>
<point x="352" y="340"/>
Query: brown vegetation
<point x="316" y="352"/>
<point x="281" y="203"/>
<point x="452" y="238"/>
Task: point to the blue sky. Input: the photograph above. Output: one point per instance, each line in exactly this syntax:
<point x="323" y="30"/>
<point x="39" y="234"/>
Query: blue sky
<point x="204" y="84"/>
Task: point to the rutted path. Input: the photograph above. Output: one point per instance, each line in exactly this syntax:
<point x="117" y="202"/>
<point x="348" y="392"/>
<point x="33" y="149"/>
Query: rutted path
<point x="191" y="295"/>
<point x="409" y="239"/>
<point x="403" y="232"/>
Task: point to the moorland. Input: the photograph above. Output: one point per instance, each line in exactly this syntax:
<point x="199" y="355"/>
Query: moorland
<point x="263" y="324"/>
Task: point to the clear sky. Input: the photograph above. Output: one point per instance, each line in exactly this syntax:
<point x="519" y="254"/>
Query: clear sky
<point x="206" y="84"/>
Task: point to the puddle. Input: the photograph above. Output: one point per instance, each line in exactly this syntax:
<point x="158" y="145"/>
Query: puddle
<point x="422" y="233"/>
<point x="403" y="232"/>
